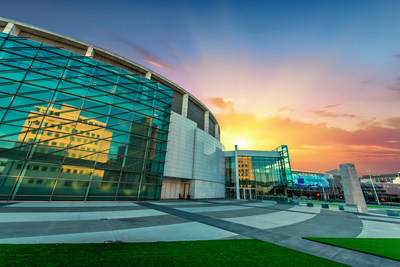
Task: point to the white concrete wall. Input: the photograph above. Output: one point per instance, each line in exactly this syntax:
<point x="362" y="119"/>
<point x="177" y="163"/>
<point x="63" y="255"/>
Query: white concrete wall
<point x="179" y="157"/>
<point x="209" y="158"/>
<point x="196" y="156"/>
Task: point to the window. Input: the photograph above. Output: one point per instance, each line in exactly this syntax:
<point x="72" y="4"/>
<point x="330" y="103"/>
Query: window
<point x="56" y="135"/>
<point x="53" y="143"/>
<point x="75" y="171"/>
<point x="36" y="168"/>
<point x="59" y="127"/>
<point x="49" y="133"/>
<point x="79" y="140"/>
<point x="44" y="168"/>
<point x="19" y="166"/>
<point x="66" y="129"/>
<point x="53" y="169"/>
<point x="68" y="183"/>
<point x="72" y="138"/>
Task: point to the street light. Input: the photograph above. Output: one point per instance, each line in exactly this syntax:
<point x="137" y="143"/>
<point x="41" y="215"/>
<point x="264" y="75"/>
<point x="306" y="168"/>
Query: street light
<point x="373" y="187"/>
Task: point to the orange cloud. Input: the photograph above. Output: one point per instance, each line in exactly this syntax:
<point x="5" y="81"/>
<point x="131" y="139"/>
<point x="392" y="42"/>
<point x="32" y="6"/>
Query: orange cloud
<point x="222" y="103"/>
<point x="316" y="146"/>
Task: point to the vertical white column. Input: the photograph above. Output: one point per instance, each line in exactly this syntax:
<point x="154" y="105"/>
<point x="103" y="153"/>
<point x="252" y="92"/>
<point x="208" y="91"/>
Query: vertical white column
<point x="185" y="102"/>
<point x="237" y="172"/>
<point x="148" y="75"/>
<point x="206" y="120"/>
<point x="216" y="131"/>
<point x="12" y="29"/>
<point x="90" y="52"/>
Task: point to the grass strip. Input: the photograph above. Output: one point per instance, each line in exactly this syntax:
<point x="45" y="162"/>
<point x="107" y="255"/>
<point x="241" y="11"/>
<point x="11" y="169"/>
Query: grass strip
<point x="384" y="247"/>
<point x="235" y="252"/>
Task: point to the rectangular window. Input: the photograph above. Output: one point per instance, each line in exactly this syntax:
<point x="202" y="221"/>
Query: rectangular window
<point x="59" y="127"/>
<point x="56" y="135"/>
<point x="49" y="133"/>
<point x="44" y="168"/>
<point x="75" y="171"/>
<point x="66" y="129"/>
<point x="53" y="143"/>
<point x="36" y="168"/>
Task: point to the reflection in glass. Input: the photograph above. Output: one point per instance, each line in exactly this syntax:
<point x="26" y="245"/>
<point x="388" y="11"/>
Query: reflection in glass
<point x="68" y="135"/>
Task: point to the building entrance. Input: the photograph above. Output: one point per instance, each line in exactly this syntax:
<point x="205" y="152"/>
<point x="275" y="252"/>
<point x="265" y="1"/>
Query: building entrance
<point x="248" y="193"/>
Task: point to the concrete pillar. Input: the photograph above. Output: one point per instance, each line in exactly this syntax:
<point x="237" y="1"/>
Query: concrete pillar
<point x="148" y="75"/>
<point x="206" y="121"/>
<point x="12" y="29"/>
<point x="90" y="52"/>
<point x="185" y="102"/>
<point x="352" y="189"/>
<point x="237" y="172"/>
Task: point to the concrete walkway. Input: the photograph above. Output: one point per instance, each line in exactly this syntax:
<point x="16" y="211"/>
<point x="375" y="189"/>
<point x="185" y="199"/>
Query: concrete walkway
<point x="281" y="224"/>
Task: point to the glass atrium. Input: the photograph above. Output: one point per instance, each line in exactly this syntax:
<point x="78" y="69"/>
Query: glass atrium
<point x="75" y="128"/>
<point x="259" y="176"/>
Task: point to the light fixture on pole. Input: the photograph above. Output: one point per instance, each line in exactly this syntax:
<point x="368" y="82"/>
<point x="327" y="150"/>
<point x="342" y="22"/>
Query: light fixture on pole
<point x="373" y="187"/>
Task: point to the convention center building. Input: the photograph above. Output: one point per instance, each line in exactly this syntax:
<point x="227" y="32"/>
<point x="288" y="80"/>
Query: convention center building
<point x="79" y="123"/>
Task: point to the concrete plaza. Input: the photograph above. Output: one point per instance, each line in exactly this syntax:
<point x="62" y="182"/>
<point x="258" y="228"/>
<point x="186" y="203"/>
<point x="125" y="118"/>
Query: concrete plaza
<point x="279" y="223"/>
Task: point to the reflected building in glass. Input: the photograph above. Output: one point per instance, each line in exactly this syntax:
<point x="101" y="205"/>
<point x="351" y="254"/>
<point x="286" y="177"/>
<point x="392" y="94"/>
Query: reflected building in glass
<point x="254" y="174"/>
<point x="80" y="123"/>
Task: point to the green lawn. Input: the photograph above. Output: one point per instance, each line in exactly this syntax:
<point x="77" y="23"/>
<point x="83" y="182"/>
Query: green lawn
<point x="234" y="252"/>
<point x="386" y="247"/>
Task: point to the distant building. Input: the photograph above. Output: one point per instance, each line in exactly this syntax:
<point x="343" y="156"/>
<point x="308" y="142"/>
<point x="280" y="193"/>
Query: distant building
<point x="383" y="178"/>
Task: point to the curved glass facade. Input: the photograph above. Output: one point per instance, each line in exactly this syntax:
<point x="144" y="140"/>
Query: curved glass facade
<point x="75" y="128"/>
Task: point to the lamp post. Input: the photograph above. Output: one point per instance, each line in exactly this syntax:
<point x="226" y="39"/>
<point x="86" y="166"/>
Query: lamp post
<point x="373" y="187"/>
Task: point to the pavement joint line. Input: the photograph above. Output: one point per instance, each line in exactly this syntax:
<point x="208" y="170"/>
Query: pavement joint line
<point x="298" y="211"/>
<point x="271" y="208"/>
<point x="281" y="239"/>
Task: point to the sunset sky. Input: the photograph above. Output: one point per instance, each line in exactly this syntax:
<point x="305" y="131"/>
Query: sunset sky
<point x="322" y="77"/>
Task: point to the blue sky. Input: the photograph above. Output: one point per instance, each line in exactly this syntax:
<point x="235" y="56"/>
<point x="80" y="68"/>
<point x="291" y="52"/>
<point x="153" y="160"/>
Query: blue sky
<point x="327" y="69"/>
